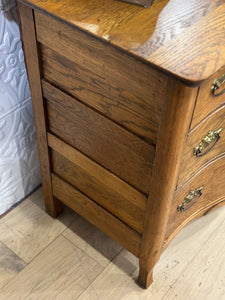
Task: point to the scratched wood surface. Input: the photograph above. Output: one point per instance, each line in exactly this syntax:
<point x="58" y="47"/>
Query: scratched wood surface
<point x="185" y="38"/>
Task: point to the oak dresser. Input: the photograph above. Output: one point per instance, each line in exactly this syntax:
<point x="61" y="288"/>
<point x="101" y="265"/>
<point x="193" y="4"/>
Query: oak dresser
<point x="129" y="108"/>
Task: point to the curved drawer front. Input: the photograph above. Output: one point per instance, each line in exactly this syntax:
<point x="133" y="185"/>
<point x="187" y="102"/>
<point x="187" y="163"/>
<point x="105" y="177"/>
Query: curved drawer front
<point x="205" y="190"/>
<point x="209" y="141"/>
<point x="207" y="102"/>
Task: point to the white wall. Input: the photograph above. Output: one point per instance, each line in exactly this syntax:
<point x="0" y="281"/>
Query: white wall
<point x="19" y="166"/>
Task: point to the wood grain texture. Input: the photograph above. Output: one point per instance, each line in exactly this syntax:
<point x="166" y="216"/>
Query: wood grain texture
<point x="27" y="230"/>
<point x="196" y="54"/>
<point x="97" y="183"/>
<point x="176" y="120"/>
<point x="191" y="163"/>
<point x="110" y="145"/>
<point x="173" y="35"/>
<point x="32" y="63"/>
<point x="96" y="215"/>
<point x="62" y="271"/>
<point x="207" y="103"/>
<point x="213" y="192"/>
<point x="81" y="69"/>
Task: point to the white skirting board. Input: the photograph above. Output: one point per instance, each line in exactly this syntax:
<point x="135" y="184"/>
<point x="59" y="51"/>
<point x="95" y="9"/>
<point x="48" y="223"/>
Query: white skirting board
<point x="19" y="165"/>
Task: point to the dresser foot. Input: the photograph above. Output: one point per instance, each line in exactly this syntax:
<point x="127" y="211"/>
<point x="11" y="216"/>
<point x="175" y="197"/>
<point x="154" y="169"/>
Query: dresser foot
<point x="55" y="208"/>
<point x="145" y="277"/>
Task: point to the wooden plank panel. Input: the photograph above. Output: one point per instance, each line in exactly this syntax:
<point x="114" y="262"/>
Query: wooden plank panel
<point x="110" y="145"/>
<point x="97" y="183"/>
<point x="96" y="215"/>
<point x="121" y="87"/>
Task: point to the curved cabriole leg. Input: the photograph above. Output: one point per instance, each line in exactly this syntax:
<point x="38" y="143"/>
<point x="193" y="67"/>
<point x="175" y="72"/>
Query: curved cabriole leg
<point x="171" y="141"/>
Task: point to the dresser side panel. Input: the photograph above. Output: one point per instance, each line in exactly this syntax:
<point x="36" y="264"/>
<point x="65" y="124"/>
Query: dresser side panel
<point x="113" y="82"/>
<point x="53" y="206"/>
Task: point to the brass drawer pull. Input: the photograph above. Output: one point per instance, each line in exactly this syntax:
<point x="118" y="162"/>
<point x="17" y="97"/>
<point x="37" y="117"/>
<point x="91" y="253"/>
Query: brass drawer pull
<point x="217" y="84"/>
<point x="190" y="199"/>
<point x="212" y="136"/>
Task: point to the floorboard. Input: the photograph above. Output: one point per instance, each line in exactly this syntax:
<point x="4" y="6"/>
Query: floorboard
<point x="68" y="258"/>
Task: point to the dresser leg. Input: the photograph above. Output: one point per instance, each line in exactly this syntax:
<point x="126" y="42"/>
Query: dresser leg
<point x="55" y="208"/>
<point x="168" y="157"/>
<point x="145" y="277"/>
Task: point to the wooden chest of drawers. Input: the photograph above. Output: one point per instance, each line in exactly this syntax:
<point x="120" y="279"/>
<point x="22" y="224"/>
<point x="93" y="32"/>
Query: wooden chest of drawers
<point x="129" y="118"/>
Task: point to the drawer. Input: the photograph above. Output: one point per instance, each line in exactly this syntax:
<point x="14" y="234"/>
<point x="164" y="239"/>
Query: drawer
<point x="103" y="187"/>
<point x="212" y="146"/>
<point x="211" y="180"/>
<point x="105" y="142"/>
<point x="96" y="215"/>
<point x="118" y="85"/>
<point x="207" y="102"/>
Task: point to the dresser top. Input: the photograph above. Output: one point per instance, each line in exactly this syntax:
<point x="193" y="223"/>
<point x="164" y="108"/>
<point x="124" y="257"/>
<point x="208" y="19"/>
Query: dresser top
<point x="183" y="38"/>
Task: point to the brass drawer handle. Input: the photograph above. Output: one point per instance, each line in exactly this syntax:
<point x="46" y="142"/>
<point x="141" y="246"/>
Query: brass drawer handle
<point x="217" y="84"/>
<point x="190" y="199"/>
<point x="212" y="136"/>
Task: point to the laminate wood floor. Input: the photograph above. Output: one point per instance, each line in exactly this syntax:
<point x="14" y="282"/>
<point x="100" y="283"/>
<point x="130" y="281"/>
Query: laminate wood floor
<point x="67" y="258"/>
